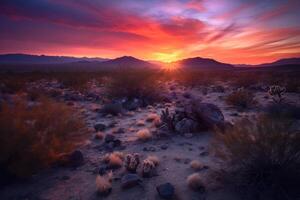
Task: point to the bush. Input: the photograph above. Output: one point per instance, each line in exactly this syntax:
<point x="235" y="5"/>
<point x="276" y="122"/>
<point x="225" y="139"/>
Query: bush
<point x="141" y="85"/>
<point x="241" y="98"/>
<point x="33" y="137"/>
<point x="261" y="158"/>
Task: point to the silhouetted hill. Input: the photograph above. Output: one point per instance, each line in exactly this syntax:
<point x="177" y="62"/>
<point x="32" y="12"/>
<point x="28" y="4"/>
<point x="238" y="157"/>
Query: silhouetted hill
<point x="127" y="62"/>
<point x="285" y="61"/>
<point x="202" y="63"/>
<point x="42" y="59"/>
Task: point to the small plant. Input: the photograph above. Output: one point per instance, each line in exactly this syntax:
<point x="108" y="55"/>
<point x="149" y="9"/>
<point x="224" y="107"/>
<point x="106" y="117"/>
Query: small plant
<point x="241" y="98"/>
<point x="277" y="93"/>
<point x="104" y="183"/>
<point x="132" y="162"/>
<point x="196" y="165"/>
<point x="261" y="157"/>
<point x="114" y="160"/>
<point x="144" y="135"/>
<point x="195" y="182"/>
<point x="148" y="168"/>
<point x="168" y="119"/>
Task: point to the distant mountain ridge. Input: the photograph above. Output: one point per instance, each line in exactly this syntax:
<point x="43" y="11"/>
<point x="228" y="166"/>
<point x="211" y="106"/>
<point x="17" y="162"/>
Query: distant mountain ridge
<point x="202" y="63"/>
<point x="128" y="62"/>
<point x="42" y="59"/>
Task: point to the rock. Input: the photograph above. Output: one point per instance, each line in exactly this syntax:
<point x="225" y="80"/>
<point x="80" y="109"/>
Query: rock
<point x="186" y="126"/>
<point x="187" y="95"/>
<point x="164" y="147"/>
<point x="132" y="104"/>
<point x="109" y="138"/>
<point x="112" y="109"/>
<point x="166" y="190"/>
<point x="151" y="148"/>
<point x="130" y="180"/>
<point x="100" y="127"/>
<point x="207" y="115"/>
<point x="76" y="159"/>
<point x="119" y="131"/>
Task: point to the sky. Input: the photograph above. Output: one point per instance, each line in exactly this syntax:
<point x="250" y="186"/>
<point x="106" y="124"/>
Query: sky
<point x="231" y="31"/>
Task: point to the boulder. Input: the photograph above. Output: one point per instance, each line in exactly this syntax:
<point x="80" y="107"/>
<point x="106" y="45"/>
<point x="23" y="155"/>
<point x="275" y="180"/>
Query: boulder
<point x="207" y="115"/>
<point x="186" y="126"/>
<point x="166" y="191"/>
<point x="130" y="180"/>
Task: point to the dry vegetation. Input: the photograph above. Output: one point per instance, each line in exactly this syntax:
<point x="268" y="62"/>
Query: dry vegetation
<point x="263" y="157"/>
<point x="241" y="98"/>
<point x="33" y="137"/>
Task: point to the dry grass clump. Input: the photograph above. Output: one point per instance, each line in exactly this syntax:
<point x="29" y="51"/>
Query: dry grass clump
<point x="33" y="137"/>
<point x="144" y="135"/>
<point x="196" y="165"/>
<point x="114" y="160"/>
<point x="284" y="111"/>
<point x="74" y="80"/>
<point x="195" y="182"/>
<point x="262" y="157"/>
<point x="104" y="183"/>
<point x="241" y="99"/>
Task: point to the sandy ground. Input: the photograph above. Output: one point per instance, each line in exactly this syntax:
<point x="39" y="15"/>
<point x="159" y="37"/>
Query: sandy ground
<point x="175" y="154"/>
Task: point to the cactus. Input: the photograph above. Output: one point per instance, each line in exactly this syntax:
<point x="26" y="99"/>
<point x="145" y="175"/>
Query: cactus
<point x="277" y="92"/>
<point x="168" y="119"/>
<point x="132" y="162"/>
<point x="148" y="168"/>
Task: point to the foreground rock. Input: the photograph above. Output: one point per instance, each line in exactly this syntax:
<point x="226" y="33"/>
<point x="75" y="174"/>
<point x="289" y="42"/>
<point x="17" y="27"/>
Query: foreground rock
<point x="130" y="180"/>
<point x="166" y="191"/>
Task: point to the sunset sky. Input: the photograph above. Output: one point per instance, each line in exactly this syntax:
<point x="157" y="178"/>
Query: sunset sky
<point x="233" y="31"/>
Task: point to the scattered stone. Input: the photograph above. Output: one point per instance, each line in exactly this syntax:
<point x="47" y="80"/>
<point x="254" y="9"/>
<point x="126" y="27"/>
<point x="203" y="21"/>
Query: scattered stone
<point x="130" y="180"/>
<point x="164" y="147"/>
<point x="119" y="131"/>
<point x="151" y="148"/>
<point x="76" y="159"/>
<point x="100" y="127"/>
<point x="166" y="190"/>
<point x="204" y="153"/>
<point x="187" y="161"/>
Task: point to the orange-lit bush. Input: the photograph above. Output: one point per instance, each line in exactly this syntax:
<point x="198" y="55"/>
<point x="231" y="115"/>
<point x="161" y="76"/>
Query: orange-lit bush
<point x="33" y="137"/>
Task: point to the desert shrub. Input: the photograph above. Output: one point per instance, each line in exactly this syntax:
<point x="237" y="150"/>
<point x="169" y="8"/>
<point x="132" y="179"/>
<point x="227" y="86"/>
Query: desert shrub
<point x="144" y="135"/>
<point x="261" y="158"/>
<point x="292" y="85"/>
<point x="34" y="137"/>
<point x="112" y="109"/>
<point x="74" y="80"/>
<point x="142" y="85"/>
<point x="241" y="98"/>
<point x="277" y="93"/>
<point x="12" y="85"/>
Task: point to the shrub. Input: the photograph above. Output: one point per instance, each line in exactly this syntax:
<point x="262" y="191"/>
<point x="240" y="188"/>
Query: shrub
<point x="141" y="85"/>
<point x="144" y="134"/>
<point x="261" y="157"/>
<point x="112" y="109"/>
<point x="33" y="137"/>
<point x="114" y="160"/>
<point x="195" y="182"/>
<point x="153" y="159"/>
<point x="196" y="165"/>
<point x="104" y="184"/>
<point x="277" y="92"/>
<point x="241" y="98"/>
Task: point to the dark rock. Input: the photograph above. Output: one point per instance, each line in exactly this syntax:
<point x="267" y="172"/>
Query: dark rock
<point x="100" y="127"/>
<point x="130" y="180"/>
<point x="206" y="114"/>
<point x="166" y="191"/>
<point x="132" y="104"/>
<point x="113" y="109"/>
<point x="117" y="143"/>
<point x="109" y="138"/>
<point x="186" y="126"/>
<point x="164" y="147"/>
<point x="76" y="159"/>
<point x="151" y="148"/>
<point x="119" y="131"/>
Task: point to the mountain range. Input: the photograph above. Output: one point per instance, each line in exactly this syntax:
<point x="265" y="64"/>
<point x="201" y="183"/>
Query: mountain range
<point x="36" y="62"/>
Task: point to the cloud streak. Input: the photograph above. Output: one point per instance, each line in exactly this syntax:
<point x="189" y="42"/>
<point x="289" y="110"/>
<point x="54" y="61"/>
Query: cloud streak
<point x="259" y="31"/>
